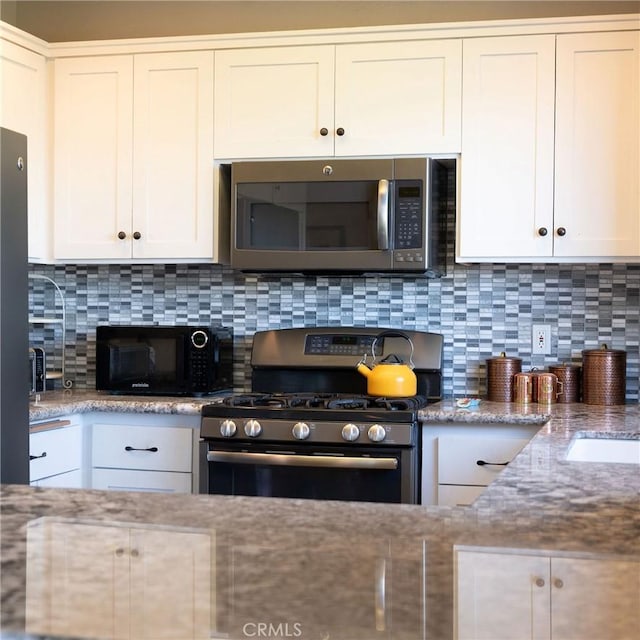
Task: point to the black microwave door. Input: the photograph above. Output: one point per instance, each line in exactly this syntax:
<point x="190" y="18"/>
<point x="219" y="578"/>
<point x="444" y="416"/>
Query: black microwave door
<point x="311" y="225"/>
<point x="142" y="362"/>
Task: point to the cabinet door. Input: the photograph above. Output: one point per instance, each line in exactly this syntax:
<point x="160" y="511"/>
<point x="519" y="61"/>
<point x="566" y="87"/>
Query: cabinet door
<point x="93" y="157"/>
<point x="23" y="108"/>
<point x="593" y="599"/>
<point x="501" y="596"/>
<point x="174" y="604"/>
<point x="274" y="102"/>
<point x="173" y="155"/>
<point x="597" y="196"/>
<point x="55" y="451"/>
<point x="507" y="147"/>
<point x="89" y="581"/>
<point x="398" y="97"/>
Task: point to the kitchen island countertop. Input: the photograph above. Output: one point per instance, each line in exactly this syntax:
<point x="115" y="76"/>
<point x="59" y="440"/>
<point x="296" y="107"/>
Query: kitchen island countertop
<point x="540" y="504"/>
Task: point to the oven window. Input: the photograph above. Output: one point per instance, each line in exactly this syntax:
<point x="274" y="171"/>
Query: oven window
<point x="260" y="478"/>
<point x="307" y="216"/>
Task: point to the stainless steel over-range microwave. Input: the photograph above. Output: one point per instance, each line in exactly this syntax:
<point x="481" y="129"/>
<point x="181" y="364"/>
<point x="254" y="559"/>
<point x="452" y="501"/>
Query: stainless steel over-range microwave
<point x="347" y="215"/>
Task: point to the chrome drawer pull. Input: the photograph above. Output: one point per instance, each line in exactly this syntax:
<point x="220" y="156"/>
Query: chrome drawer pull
<point x="152" y="449"/>
<point x="482" y="463"/>
<point x="42" y="455"/>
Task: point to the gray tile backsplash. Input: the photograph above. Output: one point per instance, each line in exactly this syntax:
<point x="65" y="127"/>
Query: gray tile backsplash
<point x="481" y="310"/>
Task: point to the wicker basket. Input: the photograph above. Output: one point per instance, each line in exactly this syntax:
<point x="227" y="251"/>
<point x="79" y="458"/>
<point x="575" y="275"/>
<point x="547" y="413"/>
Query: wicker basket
<point x="569" y="375"/>
<point x="500" y="372"/>
<point x="604" y="376"/>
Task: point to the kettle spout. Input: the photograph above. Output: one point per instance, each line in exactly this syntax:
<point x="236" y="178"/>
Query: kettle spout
<point x="363" y="369"/>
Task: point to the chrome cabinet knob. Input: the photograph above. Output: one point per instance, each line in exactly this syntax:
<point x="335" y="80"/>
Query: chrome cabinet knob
<point x="340" y="131"/>
<point x="557" y="583"/>
<point x="350" y="432"/>
<point x="539" y="582"/>
<point x="324" y="131"/>
<point x="228" y="429"/>
<point x="542" y="231"/>
<point x="561" y="231"/>
<point x="376" y="433"/>
<point x="122" y="235"/>
<point x="300" y="431"/>
<point x="137" y="235"/>
<point x="253" y="428"/>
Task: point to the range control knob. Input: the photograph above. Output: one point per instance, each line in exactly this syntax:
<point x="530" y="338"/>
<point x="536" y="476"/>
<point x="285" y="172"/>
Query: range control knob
<point x="350" y="432"/>
<point x="252" y="428"/>
<point x="228" y="429"/>
<point x="376" y="433"/>
<point x="300" y="431"/>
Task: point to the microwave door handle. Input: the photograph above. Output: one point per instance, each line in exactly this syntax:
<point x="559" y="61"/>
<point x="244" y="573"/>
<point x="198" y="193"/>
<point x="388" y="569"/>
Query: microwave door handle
<point x="383" y="215"/>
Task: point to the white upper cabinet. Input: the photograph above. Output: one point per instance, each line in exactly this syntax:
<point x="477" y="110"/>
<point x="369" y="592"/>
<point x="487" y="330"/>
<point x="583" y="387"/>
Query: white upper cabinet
<point x="24" y="108"/>
<point x="507" y="147"/>
<point x="387" y="98"/>
<point x="274" y="102"/>
<point x="93" y="159"/>
<point x="551" y="178"/>
<point x="597" y="199"/>
<point x="398" y="98"/>
<point x="134" y="157"/>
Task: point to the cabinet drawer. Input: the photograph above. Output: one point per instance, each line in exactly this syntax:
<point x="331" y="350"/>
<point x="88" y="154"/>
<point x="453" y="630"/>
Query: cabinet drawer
<point x="56" y="451"/>
<point x="131" y="480"/>
<point x="144" y="448"/>
<point x="70" y="479"/>
<point x="458" y="458"/>
<point x="450" y="495"/>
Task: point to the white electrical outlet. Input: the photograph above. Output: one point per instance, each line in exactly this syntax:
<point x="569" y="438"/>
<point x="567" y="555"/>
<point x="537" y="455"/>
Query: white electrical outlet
<point x="541" y="339"/>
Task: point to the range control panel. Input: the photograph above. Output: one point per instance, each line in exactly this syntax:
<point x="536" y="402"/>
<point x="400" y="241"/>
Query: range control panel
<point x="337" y="344"/>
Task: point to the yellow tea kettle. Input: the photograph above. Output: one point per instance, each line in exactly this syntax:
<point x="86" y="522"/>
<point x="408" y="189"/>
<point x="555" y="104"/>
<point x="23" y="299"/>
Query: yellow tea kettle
<point x="391" y="377"/>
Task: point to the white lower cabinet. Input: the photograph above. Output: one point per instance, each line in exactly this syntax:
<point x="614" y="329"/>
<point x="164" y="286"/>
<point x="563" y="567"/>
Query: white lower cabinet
<point x="93" y="580"/>
<point x="130" y="453"/>
<point x="459" y="461"/>
<point x="508" y="595"/>
<point x="55" y="453"/>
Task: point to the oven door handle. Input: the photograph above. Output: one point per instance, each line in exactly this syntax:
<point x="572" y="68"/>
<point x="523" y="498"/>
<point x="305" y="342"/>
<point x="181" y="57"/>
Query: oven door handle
<point x="293" y="460"/>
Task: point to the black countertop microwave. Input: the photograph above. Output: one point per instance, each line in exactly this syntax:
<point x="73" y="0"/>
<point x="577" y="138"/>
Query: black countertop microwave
<point x="348" y="215"/>
<point x="152" y="360"/>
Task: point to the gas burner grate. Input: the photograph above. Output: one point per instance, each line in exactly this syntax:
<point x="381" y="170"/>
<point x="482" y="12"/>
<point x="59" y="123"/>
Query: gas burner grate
<point x="343" y="402"/>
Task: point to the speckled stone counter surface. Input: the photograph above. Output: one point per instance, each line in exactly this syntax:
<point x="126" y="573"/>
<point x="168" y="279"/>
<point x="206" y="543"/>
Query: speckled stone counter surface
<point x="53" y="404"/>
<point x="309" y="569"/>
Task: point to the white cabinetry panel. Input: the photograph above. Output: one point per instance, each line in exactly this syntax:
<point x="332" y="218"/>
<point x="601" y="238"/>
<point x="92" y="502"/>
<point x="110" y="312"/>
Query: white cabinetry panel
<point x="507" y="147"/>
<point x="273" y="102"/>
<point x="597" y="196"/>
<point x="56" y="456"/>
<point x="93" y="156"/>
<point x="173" y="155"/>
<point x="24" y="108"/>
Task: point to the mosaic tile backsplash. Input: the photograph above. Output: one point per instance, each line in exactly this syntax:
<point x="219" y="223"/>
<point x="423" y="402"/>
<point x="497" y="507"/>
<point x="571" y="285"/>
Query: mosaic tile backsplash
<point x="481" y="310"/>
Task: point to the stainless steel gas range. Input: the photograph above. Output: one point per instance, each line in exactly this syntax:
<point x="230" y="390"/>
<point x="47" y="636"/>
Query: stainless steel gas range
<point x="308" y="429"/>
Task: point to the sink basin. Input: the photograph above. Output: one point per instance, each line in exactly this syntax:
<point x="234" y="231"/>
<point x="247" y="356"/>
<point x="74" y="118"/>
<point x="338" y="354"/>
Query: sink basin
<point x="604" y="450"/>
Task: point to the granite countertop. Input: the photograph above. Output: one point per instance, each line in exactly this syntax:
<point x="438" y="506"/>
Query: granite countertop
<point x="310" y="567"/>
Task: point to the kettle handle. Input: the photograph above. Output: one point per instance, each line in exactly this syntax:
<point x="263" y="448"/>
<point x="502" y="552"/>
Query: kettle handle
<point x="392" y="334"/>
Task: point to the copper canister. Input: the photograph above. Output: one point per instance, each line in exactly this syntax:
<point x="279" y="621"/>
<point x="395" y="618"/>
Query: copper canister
<point x="500" y="372"/>
<point x="523" y="387"/>
<point x="549" y="388"/>
<point x="604" y="376"/>
<point x="569" y="375"/>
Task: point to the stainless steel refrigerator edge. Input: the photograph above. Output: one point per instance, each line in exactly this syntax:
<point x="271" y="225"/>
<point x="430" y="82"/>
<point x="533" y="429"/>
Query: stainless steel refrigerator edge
<point x="14" y="333"/>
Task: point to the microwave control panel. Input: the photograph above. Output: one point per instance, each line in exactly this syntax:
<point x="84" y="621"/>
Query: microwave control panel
<point x="409" y="220"/>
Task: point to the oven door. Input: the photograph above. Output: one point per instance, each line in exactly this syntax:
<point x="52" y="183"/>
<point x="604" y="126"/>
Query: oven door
<point x="366" y="474"/>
